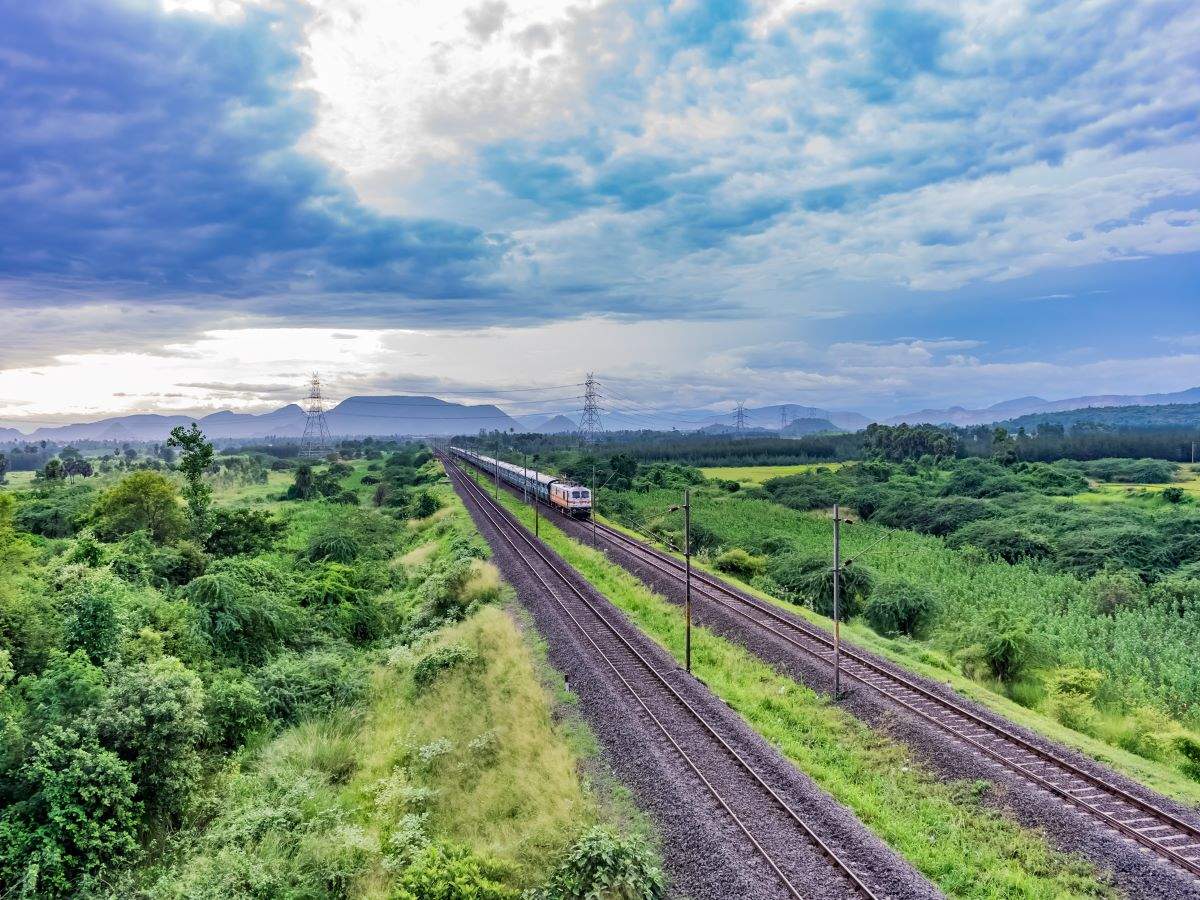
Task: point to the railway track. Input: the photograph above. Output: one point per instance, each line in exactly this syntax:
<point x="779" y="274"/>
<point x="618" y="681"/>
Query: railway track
<point x="688" y="732"/>
<point x="1109" y="805"/>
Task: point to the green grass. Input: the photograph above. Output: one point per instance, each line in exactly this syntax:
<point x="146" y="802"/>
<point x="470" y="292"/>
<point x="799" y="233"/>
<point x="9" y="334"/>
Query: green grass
<point x="944" y="829"/>
<point x="759" y="474"/>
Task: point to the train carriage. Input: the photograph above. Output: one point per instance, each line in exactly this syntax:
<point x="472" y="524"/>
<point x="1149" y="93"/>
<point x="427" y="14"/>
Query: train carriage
<point x="568" y="498"/>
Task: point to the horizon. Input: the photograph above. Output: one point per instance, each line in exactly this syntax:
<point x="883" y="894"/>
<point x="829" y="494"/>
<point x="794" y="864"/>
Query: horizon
<point x="941" y="205"/>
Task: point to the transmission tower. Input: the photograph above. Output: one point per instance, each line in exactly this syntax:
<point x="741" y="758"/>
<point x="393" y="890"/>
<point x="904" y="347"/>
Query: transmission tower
<point x="783" y="419"/>
<point x="589" y="422"/>
<point x="317" y="441"/>
<point x="739" y="418"/>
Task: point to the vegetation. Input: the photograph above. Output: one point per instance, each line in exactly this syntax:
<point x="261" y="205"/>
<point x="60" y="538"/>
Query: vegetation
<point x="265" y="697"/>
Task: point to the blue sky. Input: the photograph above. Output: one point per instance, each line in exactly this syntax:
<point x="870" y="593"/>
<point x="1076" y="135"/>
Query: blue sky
<point x="878" y="206"/>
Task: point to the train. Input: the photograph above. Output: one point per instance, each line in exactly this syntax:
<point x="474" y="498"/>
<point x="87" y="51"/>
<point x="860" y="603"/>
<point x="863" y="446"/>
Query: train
<point x="568" y="498"/>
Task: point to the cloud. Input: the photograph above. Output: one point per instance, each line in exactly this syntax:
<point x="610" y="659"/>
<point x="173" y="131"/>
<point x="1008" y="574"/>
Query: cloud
<point x="153" y="158"/>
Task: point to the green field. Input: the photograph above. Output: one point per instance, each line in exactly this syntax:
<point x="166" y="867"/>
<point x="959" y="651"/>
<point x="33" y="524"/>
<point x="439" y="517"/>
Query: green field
<point x="759" y="474"/>
<point x="1103" y="492"/>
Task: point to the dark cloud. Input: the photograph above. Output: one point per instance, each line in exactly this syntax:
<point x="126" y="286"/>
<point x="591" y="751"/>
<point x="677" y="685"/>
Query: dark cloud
<point x="152" y="156"/>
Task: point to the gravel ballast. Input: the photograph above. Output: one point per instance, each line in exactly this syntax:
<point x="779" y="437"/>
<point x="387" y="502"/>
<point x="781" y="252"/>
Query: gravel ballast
<point x="705" y="852"/>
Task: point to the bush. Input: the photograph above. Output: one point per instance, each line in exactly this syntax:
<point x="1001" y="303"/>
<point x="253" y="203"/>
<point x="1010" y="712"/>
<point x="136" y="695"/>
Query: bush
<point x="334" y="546"/>
<point x="1149" y="733"/>
<point x="434" y="663"/>
<point x="1189" y="749"/>
<point x="234" y="710"/>
<point x="154" y="720"/>
<point x="238" y="531"/>
<point x="318" y="682"/>
<point x="242" y="622"/>
<point x="602" y="864"/>
<point x="1173" y="494"/>
<point x="453" y="873"/>
<point x="900" y="607"/>
<point x="1003" y="644"/>
<point x="740" y="563"/>
<point x="80" y="821"/>
<point x="1112" y="591"/>
<point x="92" y="622"/>
<point x="810" y="578"/>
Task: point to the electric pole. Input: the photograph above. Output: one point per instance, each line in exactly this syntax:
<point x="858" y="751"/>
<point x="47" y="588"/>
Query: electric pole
<point x="589" y="422"/>
<point x="837" y="619"/>
<point x="316" y="441"/>
<point x="687" y="583"/>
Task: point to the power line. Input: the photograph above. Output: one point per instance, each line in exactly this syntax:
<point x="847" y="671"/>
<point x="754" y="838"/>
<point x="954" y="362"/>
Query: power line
<point x="316" y="441"/>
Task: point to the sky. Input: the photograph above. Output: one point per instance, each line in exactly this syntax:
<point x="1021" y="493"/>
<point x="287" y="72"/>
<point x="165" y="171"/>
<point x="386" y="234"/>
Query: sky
<point x="878" y="206"/>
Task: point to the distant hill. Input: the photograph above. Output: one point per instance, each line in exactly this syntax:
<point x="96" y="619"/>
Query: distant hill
<point x="1170" y="415"/>
<point x="353" y="417"/>
<point x="802" y="427"/>
<point x="1024" y="406"/>
<point x="558" y="425"/>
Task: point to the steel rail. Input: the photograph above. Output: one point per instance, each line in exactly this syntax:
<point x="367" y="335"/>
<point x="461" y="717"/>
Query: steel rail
<point x="509" y="524"/>
<point x="885" y="681"/>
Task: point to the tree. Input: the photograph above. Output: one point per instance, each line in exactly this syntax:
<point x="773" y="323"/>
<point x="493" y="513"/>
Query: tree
<point x="196" y="455"/>
<point x="140" y="501"/>
<point x="53" y="470"/>
<point x="304" y="487"/>
<point x="154" y="720"/>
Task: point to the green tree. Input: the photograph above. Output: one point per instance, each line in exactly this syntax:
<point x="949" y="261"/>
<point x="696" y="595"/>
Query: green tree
<point x="154" y="720"/>
<point x="78" y="821"/>
<point x="304" y="486"/>
<point x="195" y="456"/>
<point x="143" y="500"/>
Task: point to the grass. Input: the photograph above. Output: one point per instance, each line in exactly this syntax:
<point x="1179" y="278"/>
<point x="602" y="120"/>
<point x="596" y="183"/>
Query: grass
<point x="759" y="474"/>
<point x="944" y="829"/>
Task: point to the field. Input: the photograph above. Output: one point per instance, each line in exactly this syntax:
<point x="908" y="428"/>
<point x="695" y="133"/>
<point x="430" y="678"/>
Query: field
<point x="1102" y="492"/>
<point x="759" y="474"/>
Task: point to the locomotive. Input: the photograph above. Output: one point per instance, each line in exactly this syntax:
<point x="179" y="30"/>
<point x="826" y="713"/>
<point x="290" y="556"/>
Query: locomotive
<point x="568" y="498"/>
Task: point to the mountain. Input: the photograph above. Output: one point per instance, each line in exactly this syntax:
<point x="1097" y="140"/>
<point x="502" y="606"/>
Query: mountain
<point x="414" y="415"/>
<point x="765" y="417"/>
<point x="1024" y="406"/>
<point x="559" y="424"/>
<point x="10" y="434"/>
<point x="1164" y="415"/>
<point x="802" y="427"/>
<point x="354" y="416"/>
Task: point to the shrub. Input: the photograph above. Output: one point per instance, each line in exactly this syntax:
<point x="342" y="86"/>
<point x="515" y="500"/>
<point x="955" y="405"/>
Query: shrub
<point x="602" y="864"/>
<point x="234" y="710"/>
<point x="1173" y="494"/>
<point x="1075" y="710"/>
<point x="177" y="564"/>
<point x="92" y="623"/>
<point x="1149" y="732"/>
<point x="79" y="822"/>
<point x="740" y="563"/>
<point x="238" y="531"/>
<point x="154" y="720"/>
<point x="316" y="682"/>
<point x="434" y="663"/>
<point x="243" y="622"/>
<point x="1112" y="591"/>
<point x="1189" y="748"/>
<point x="1075" y="680"/>
<point x="335" y="546"/>
<point x="900" y="607"/>
<point x="453" y="873"/>
<point x="1005" y="642"/>
<point x="811" y="577"/>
